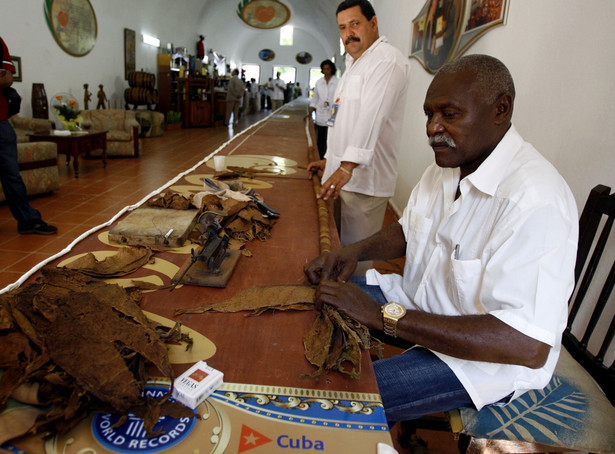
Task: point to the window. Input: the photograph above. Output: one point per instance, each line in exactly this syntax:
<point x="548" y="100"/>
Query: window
<point x="286" y="35"/>
<point x="287" y="73"/>
<point x="315" y="74"/>
<point x="251" y="72"/>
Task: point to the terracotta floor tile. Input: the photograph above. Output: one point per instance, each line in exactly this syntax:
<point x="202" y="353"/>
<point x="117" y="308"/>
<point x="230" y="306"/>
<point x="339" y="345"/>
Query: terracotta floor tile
<point x="28" y="262"/>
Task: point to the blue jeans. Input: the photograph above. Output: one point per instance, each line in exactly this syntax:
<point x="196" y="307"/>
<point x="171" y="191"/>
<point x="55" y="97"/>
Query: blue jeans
<point x="417" y="382"/>
<point x="12" y="183"/>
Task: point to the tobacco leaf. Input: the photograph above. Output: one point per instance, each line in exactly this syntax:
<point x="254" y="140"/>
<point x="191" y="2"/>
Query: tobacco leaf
<point x="87" y="344"/>
<point x="172" y="200"/>
<point x="334" y="339"/>
<point x="260" y="299"/>
<point x="127" y="260"/>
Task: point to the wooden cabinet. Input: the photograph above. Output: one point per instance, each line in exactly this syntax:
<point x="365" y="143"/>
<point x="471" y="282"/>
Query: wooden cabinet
<point x="167" y="84"/>
<point x="195" y="100"/>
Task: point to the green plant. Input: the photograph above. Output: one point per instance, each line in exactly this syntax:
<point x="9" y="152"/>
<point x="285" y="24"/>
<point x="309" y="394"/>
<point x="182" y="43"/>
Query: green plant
<point x="173" y="117"/>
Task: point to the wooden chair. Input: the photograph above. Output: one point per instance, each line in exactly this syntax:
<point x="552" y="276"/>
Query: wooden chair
<point x="575" y="412"/>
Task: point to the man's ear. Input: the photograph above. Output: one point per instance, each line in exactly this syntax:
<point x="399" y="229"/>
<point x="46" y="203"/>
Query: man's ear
<point x="504" y="108"/>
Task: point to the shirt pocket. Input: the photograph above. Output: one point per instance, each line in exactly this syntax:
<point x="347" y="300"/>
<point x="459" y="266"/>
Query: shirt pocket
<point x="465" y="285"/>
<point x="416" y="236"/>
<point x="353" y="90"/>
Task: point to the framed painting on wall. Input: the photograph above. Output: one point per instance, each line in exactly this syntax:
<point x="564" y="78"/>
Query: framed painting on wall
<point x="129" y="52"/>
<point x="481" y="17"/>
<point x="18" y="76"/>
<point x="445" y="29"/>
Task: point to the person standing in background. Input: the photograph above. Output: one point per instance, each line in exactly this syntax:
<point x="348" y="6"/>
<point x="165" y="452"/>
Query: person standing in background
<point x="233" y="97"/>
<point x="360" y="169"/>
<point x="324" y="92"/>
<point x="277" y="96"/>
<point x="28" y="219"/>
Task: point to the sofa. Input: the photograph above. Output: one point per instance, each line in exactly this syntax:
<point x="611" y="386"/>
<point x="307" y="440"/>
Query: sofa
<point x="24" y="126"/>
<point x="122" y="128"/>
<point x="38" y="164"/>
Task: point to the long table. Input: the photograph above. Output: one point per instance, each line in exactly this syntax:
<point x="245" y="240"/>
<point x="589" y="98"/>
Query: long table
<point x="266" y="404"/>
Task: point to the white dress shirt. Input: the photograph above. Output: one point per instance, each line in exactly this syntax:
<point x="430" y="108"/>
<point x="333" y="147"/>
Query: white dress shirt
<point x="516" y="226"/>
<point x="278" y="86"/>
<point x="371" y="98"/>
<point x="322" y="100"/>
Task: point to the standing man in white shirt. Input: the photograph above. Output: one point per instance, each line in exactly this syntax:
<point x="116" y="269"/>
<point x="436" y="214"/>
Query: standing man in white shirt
<point x="277" y="96"/>
<point x="490" y="237"/>
<point x="324" y="95"/>
<point x="365" y="124"/>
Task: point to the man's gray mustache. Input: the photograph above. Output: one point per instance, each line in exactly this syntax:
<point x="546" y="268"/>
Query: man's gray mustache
<point x="440" y="139"/>
<point x="351" y="39"/>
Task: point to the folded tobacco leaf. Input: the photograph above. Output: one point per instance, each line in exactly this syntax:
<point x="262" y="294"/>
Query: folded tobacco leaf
<point x="125" y="261"/>
<point x="260" y="299"/>
<point x="88" y="346"/>
<point x="172" y="200"/>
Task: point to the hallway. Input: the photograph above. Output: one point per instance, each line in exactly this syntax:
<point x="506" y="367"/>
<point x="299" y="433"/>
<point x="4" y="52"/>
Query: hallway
<point x="99" y="193"/>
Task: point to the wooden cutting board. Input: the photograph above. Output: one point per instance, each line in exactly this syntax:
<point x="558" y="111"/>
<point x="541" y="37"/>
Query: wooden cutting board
<point x="149" y="226"/>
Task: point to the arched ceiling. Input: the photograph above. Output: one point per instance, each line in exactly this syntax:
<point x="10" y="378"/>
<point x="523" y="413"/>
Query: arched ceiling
<point x="315" y="17"/>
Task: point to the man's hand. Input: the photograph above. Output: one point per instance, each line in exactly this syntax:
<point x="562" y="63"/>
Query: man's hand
<point x="351" y="300"/>
<point x="334" y="266"/>
<point x="316" y="166"/>
<point x="335" y="183"/>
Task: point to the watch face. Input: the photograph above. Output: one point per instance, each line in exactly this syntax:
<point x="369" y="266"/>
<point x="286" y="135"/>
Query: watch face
<point x="394" y="310"/>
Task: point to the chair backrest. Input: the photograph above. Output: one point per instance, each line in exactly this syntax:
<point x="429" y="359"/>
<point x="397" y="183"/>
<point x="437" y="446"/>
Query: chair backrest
<point x="595" y="226"/>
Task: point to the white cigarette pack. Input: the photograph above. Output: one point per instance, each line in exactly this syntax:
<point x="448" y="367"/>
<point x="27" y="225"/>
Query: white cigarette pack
<point x="196" y="384"/>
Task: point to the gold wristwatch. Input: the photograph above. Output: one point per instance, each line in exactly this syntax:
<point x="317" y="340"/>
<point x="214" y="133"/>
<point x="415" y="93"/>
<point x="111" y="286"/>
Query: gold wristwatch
<point x="391" y="313"/>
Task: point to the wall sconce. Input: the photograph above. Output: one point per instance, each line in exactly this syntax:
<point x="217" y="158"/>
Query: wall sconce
<point x="147" y="39"/>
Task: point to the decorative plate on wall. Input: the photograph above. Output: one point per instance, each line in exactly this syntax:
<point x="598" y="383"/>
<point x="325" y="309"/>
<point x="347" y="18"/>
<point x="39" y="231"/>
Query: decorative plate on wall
<point x="304" y="57"/>
<point x="72" y="24"/>
<point x="263" y="14"/>
<point x="266" y="55"/>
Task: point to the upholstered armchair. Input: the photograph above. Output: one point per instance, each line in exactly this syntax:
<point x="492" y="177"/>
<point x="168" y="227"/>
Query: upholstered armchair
<point x="24" y="126"/>
<point x="122" y="130"/>
<point x="38" y="166"/>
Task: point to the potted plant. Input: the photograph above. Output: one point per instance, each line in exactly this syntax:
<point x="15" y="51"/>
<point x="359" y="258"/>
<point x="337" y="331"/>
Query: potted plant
<point x="173" y="120"/>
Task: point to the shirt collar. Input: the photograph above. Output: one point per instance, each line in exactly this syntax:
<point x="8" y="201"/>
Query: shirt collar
<point x="492" y="171"/>
<point x="350" y="60"/>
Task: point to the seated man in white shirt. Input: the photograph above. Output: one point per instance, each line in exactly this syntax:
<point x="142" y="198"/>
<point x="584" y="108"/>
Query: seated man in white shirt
<point x="489" y="234"/>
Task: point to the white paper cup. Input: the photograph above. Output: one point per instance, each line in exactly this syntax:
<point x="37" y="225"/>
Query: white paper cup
<point x="220" y="163"/>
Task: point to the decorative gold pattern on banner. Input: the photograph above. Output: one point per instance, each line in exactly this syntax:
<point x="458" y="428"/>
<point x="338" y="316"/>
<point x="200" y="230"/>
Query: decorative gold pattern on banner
<point x="243" y="388"/>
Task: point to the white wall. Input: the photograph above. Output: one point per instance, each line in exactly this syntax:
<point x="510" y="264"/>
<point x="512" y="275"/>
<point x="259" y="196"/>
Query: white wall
<point x="560" y="53"/>
<point x="25" y="31"/>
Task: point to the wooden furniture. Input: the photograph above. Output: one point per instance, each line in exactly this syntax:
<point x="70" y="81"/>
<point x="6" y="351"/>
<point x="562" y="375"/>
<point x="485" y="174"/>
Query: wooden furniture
<point x="75" y="144"/>
<point x="167" y="84"/>
<point x="195" y="97"/>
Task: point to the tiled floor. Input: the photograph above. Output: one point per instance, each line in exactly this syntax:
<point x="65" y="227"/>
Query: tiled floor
<point x="100" y="193"/>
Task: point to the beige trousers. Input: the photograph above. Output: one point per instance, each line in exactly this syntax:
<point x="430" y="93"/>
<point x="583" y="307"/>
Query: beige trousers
<point x="359" y="216"/>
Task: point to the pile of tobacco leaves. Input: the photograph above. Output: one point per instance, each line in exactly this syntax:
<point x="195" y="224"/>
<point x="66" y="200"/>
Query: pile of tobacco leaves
<point x="86" y="345"/>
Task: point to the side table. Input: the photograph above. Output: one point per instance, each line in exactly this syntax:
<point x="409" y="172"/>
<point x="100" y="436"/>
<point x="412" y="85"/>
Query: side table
<point x="75" y="144"/>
